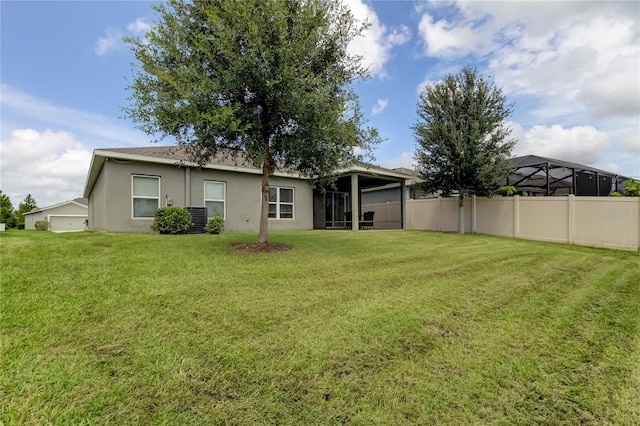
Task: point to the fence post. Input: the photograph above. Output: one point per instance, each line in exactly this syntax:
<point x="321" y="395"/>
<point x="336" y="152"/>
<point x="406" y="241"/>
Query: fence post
<point x="473" y="214"/>
<point x="439" y="213"/>
<point x="516" y="216"/>
<point x="571" y="219"/>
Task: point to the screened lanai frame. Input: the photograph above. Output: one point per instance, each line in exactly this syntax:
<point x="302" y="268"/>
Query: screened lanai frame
<point x="547" y="176"/>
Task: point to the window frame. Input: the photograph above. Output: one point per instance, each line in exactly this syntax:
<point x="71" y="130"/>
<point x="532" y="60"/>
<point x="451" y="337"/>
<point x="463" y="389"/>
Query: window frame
<point x="134" y="197"/>
<point x="224" y="194"/>
<point x="279" y="203"/>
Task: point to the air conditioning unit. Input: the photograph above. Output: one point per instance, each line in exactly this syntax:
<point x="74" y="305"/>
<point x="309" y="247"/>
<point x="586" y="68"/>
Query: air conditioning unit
<point x="199" y="219"/>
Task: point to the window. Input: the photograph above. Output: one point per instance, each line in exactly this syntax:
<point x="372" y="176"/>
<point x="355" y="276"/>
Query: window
<point x="280" y="203"/>
<point x="214" y="195"/>
<point x="146" y="195"/>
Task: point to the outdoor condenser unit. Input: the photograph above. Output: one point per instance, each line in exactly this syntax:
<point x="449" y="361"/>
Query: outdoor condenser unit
<point x="199" y="219"/>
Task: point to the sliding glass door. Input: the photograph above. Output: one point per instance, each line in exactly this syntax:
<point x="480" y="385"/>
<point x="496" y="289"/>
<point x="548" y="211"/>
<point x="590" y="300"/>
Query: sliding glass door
<point x="338" y="209"/>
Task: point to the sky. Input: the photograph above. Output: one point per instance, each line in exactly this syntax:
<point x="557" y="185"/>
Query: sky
<point x="570" y="69"/>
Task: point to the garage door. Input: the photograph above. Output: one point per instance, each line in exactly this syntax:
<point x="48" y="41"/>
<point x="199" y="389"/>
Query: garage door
<point x="67" y="223"/>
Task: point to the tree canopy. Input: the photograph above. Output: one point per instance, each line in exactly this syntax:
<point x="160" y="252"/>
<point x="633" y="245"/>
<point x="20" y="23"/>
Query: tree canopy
<point x="462" y="136"/>
<point x="28" y="204"/>
<point x="7" y="214"/>
<point x="270" y="79"/>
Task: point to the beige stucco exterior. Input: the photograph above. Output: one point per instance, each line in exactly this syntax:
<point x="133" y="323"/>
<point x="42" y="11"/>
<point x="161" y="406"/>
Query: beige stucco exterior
<point x="110" y="198"/>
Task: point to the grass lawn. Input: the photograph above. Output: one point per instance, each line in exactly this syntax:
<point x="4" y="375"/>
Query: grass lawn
<point x="401" y="327"/>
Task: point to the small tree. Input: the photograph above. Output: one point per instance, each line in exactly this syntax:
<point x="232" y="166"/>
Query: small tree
<point x="270" y="79"/>
<point x="7" y="214"/>
<point x="462" y="136"/>
<point x="28" y="204"/>
<point x="632" y="188"/>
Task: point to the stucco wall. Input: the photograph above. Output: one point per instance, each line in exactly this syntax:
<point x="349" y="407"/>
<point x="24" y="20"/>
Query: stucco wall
<point x="184" y="186"/>
<point x="97" y="203"/>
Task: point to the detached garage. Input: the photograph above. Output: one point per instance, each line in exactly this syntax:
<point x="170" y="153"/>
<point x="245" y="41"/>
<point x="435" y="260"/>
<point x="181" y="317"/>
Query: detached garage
<point x="63" y="217"/>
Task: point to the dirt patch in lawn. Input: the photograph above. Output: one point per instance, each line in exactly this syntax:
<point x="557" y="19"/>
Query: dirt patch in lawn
<point x="260" y="247"/>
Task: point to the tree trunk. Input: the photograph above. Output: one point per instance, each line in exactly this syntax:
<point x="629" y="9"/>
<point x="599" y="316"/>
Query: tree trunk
<point x="461" y="211"/>
<point x="264" y="209"/>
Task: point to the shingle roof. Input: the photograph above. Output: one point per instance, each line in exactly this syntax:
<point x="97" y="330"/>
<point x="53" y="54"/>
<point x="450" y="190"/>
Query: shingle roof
<point x="180" y="154"/>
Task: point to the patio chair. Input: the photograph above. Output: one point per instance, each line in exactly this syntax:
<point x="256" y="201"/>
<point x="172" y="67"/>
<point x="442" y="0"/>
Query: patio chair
<point x="367" y="220"/>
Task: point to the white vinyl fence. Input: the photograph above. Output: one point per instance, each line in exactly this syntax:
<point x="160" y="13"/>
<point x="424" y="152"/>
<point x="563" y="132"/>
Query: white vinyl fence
<point x="612" y="222"/>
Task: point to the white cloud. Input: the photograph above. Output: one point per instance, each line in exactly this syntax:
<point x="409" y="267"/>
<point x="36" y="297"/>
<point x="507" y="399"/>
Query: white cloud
<point x="140" y="26"/>
<point x="405" y="160"/>
<point x="98" y="129"/>
<point x="630" y="143"/>
<point x="444" y="39"/>
<point x="113" y="40"/>
<point x="612" y="167"/>
<point x="377" y="41"/>
<point x="379" y="106"/>
<point x="585" y="54"/>
<point x="580" y="144"/>
<point x="50" y="165"/>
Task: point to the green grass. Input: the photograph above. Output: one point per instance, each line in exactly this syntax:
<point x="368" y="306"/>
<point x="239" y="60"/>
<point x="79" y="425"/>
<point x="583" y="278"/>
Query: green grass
<point x="359" y="328"/>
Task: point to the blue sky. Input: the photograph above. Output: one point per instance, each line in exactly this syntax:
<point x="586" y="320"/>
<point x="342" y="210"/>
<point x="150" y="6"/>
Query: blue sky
<point x="572" y="70"/>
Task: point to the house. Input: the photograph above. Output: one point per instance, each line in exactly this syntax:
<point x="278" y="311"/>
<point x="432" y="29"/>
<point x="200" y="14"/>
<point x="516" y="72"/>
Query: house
<point x="62" y="217"/>
<point x="125" y="185"/>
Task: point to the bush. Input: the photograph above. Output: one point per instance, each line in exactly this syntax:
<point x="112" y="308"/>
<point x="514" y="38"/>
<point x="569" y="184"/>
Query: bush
<point x="42" y="225"/>
<point x="215" y="224"/>
<point x="508" y="190"/>
<point x="171" y="220"/>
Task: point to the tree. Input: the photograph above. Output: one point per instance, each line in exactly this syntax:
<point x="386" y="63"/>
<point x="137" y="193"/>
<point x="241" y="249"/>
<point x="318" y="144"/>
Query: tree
<point x="268" y="79"/>
<point x="7" y="215"/>
<point x="28" y="204"/>
<point x="462" y="136"/>
<point x="632" y="188"/>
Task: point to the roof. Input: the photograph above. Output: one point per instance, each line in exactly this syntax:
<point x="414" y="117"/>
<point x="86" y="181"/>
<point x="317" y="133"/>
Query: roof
<point x="64" y="203"/>
<point x="223" y="160"/>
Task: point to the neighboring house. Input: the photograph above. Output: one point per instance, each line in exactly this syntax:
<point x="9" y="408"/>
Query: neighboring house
<point x="125" y="185"/>
<point x="62" y="217"/>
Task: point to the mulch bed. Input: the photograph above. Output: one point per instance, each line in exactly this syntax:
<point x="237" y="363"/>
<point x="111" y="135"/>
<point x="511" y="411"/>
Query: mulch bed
<point x="260" y="247"/>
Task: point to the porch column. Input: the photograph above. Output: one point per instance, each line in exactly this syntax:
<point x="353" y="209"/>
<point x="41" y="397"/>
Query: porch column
<point x="355" y="203"/>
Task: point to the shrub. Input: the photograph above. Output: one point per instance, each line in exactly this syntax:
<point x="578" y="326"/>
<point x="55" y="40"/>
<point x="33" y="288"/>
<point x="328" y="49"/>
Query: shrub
<point x="42" y="225"/>
<point x="215" y="224"/>
<point x="171" y="220"/>
<point x="509" y="190"/>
